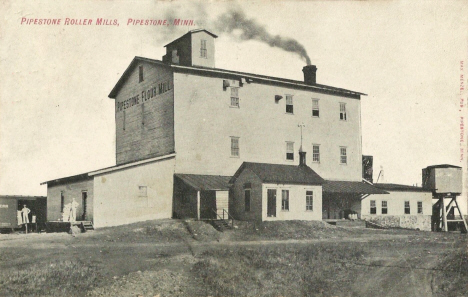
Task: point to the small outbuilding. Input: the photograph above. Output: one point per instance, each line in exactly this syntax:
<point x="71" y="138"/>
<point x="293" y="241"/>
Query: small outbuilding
<point x="404" y="207"/>
<point x="267" y="192"/>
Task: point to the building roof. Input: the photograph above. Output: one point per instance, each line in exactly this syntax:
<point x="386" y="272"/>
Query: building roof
<point x="190" y="33"/>
<point x="442" y="166"/>
<point x="89" y="175"/>
<point x="350" y="187"/>
<point x="22" y="197"/>
<point x="229" y="74"/>
<point x="401" y="188"/>
<point x="205" y="182"/>
<point x="281" y="174"/>
<point x="67" y="179"/>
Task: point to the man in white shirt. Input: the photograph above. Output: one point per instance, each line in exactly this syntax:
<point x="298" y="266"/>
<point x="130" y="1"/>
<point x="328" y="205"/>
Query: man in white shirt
<point x="25" y="211"/>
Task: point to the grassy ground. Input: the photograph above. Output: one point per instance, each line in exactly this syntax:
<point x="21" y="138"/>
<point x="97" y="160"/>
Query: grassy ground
<point x="176" y="258"/>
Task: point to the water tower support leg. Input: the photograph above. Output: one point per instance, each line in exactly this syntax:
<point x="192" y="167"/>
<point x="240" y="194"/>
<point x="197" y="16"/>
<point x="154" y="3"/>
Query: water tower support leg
<point x="444" y="215"/>
<point x="461" y="216"/>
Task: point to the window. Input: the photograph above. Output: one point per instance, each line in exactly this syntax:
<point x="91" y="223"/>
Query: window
<point x="285" y="200"/>
<point x="142" y="191"/>
<point x="234" y="97"/>
<point x="123" y="122"/>
<point x="234" y="146"/>
<point x="343" y="111"/>
<point x="407" y="207"/>
<point x="290" y="151"/>
<point x="343" y="156"/>
<point x="203" y="49"/>
<point x="62" y="201"/>
<point x="309" y="200"/>
<point x="316" y="153"/>
<point x="289" y="104"/>
<point x="420" y="208"/>
<point x="373" y="208"/>
<point x="140" y="74"/>
<point x="384" y="207"/>
<point x="315" y="108"/>
<point x="247" y="199"/>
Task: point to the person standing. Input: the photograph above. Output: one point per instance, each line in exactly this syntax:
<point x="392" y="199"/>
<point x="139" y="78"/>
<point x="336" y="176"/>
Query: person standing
<point x="25" y="211"/>
<point x="19" y="217"/>
<point x="74" y="206"/>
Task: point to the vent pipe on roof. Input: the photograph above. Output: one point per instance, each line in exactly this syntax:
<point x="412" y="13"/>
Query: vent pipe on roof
<point x="310" y="74"/>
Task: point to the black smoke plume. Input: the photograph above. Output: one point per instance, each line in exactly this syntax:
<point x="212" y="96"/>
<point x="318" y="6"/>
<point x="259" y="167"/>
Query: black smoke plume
<point x="235" y="19"/>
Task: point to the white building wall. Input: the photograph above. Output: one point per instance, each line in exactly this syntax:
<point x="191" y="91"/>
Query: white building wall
<point x="396" y="203"/>
<point x="297" y="203"/>
<point x="205" y="121"/>
<point x="197" y="59"/>
<point x="396" y="216"/>
<point x="118" y="199"/>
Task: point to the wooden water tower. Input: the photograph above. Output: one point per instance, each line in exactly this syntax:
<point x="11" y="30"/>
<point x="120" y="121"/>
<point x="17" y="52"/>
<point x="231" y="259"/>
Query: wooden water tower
<point x="445" y="182"/>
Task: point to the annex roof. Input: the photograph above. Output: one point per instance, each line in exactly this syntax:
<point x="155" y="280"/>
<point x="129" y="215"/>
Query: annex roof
<point x="205" y="182"/>
<point x="190" y="33"/>
<point x="67" y="179"/>
<point x="230" y="74"/>
<point x="90" y="175"/>
<point x="350" y="187"/>
<point x="400" y="188"/>
<point x="281" y="174"/>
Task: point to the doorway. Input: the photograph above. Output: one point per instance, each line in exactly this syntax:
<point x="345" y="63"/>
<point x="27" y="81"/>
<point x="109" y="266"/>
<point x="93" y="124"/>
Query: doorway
<point x="84" y="202"/>
<point x="271" y="203"/>
<point x="208" y="205"/>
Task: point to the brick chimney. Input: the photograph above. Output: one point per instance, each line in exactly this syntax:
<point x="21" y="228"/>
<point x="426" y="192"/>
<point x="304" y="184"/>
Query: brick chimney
<point x="302" y="157"/>
<point x="310" y="74"/>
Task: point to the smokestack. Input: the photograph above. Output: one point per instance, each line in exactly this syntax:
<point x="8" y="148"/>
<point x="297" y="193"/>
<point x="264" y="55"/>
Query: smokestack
<point x="302" y="158"/>
<point x="310" y="74"/>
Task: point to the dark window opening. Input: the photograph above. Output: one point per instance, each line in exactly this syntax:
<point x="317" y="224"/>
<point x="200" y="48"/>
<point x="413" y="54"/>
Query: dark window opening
<point x="290" y="151"/>
<point x="62" y="201"/>
<point x="420" y="207"/>
<point x="140" y="74"/>
<point x="247" y="199"/>
<point x="384" y="207"/>
<point x="289" y="104"/>
<point x="407" y="207"/>
<point x="373" y="208"/>
<point x="315" y="108"/>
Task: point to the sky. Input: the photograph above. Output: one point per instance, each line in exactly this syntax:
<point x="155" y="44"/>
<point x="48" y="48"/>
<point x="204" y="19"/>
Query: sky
<point x="56" y="119"/>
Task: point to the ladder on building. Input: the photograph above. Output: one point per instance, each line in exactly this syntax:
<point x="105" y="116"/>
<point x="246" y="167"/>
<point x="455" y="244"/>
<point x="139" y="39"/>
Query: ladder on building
<point x="445" y="214"/>
<point x="86" y="226"/>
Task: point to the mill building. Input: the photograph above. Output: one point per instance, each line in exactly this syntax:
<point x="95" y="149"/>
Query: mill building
<point x="196" y="141"/>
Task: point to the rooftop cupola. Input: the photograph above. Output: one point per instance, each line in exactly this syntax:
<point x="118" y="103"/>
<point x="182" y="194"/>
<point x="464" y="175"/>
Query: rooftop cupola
<point x="195" y="48"/>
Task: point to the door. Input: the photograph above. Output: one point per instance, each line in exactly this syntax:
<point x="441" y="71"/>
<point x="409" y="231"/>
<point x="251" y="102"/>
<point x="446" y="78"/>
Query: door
<point x="271" y="203"/>
<point x="207" y="205"/>
<point x="84" y="202"/>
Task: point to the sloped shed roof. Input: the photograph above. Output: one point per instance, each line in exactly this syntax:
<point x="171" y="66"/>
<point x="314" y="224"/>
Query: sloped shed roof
<point x="350" y="187"/>
<point x="281" y="174"/>
<point x="205" y="182"/>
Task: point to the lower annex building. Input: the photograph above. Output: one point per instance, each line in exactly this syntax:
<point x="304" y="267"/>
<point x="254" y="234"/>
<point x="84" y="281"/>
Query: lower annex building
<point x="195" y="141"/>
